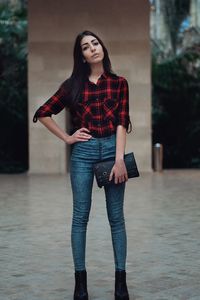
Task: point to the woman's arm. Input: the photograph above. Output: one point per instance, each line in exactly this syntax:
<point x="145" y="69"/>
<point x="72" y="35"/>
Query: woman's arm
<point x="120" y="143"/>
<point x="79" y="135"/>
<point x="119" y="169"/>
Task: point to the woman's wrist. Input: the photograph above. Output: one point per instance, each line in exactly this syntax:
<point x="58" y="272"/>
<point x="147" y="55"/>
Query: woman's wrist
<point x="119" y="159"/>
<point x="68" y="139"/>
<point x="119" y="162"/>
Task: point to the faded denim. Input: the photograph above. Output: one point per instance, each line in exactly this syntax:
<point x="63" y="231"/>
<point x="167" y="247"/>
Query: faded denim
<point x="83" y="156"/>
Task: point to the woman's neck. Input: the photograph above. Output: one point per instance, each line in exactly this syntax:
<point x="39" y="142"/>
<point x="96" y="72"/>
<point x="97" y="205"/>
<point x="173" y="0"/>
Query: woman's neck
<point x="96" y="70"/>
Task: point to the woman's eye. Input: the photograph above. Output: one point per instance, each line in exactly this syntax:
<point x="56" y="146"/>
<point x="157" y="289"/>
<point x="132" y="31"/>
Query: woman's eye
<point x="94" y="44"/>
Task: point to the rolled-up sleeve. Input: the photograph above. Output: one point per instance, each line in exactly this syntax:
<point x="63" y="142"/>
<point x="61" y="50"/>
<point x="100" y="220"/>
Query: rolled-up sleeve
<point x="53" y="105"/>
<point x="123" y="110"/>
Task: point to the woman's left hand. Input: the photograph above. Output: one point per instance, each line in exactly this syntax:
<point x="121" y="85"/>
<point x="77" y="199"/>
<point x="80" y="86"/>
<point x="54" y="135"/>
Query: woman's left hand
<point x="119" y="172"/>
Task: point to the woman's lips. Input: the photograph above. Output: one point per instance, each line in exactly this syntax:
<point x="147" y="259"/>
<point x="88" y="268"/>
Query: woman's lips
<point x="95" y="55"/>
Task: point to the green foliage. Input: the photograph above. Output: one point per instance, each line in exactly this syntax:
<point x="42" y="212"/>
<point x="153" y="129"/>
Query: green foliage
<point x="176" y="109"/>
<point x="13" y="89"/>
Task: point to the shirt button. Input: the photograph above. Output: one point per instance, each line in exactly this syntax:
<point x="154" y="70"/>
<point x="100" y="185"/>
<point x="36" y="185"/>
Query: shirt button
<point x="98" y="124"/>
<point x="97" y="98"/>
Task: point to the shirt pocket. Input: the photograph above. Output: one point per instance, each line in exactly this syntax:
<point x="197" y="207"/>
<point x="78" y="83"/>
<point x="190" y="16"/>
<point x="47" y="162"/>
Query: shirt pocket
<point x="110" y="108"/>
<point x="83" y="111"/>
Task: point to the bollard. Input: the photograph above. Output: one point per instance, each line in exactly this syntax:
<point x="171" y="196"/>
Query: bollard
<point x="158" y="157"/>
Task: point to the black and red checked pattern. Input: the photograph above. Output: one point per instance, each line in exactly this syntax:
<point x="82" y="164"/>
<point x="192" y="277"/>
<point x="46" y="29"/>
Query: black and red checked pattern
<point x="102" y="106"/>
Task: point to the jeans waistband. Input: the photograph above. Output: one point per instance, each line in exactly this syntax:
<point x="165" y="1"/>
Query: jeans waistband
<point x="104" y="138"/>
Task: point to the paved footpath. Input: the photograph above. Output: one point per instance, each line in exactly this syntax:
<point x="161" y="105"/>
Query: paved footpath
<point x="162" y="214"/>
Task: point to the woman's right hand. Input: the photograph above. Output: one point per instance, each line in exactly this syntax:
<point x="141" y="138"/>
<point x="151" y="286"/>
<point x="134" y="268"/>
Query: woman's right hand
<point x="80" y="135"/>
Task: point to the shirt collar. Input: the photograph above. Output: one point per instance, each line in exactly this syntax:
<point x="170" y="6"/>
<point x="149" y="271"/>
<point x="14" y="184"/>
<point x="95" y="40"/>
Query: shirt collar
<point x="103" y="75"/>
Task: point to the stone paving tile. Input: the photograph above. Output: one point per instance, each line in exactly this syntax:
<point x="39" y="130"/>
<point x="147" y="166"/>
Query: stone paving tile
<point x="163" y="223"/>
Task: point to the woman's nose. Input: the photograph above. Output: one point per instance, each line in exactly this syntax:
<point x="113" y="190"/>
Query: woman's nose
<point x="92" y="48"/>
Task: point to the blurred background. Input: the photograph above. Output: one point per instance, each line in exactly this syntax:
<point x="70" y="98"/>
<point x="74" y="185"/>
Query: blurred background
<point x="13" y="87"/>
<point x="175" y="44"/>
<point x="175" y="83"/>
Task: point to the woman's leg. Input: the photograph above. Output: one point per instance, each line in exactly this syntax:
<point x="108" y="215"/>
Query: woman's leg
<point x="81" y="174"/>
<point x="114" y="204"/>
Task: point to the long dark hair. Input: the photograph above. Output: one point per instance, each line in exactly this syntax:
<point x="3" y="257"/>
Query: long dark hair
<point x="74" y="84"/>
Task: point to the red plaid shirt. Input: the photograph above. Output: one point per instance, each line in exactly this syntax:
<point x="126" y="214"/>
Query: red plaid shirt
<point x="103" y="106"/>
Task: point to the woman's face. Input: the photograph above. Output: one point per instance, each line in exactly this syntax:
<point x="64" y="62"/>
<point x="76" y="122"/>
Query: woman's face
<point x="91" y="49"/>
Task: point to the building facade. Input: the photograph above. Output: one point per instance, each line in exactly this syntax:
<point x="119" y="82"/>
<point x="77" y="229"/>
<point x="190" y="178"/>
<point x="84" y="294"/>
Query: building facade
<point x="159" y="30"/>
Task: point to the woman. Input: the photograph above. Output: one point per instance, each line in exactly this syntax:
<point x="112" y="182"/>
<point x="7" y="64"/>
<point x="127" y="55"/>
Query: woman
<point x="97" y="100"/>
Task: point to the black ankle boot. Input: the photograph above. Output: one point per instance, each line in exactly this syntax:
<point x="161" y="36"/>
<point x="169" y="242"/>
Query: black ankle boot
<point x="121" y="291"/>
<point x="80" y="290"/>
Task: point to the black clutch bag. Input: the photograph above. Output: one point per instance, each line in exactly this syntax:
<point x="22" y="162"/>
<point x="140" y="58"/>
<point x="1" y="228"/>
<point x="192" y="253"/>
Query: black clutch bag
<point x="102" y="169"/>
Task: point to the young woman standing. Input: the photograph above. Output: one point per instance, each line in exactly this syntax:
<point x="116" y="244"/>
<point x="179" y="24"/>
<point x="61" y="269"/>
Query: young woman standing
<point x="97" y="100"/>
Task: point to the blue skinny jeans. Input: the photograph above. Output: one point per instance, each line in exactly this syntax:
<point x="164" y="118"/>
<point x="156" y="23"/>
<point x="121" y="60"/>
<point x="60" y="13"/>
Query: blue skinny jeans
<point x="83" y="156"/>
